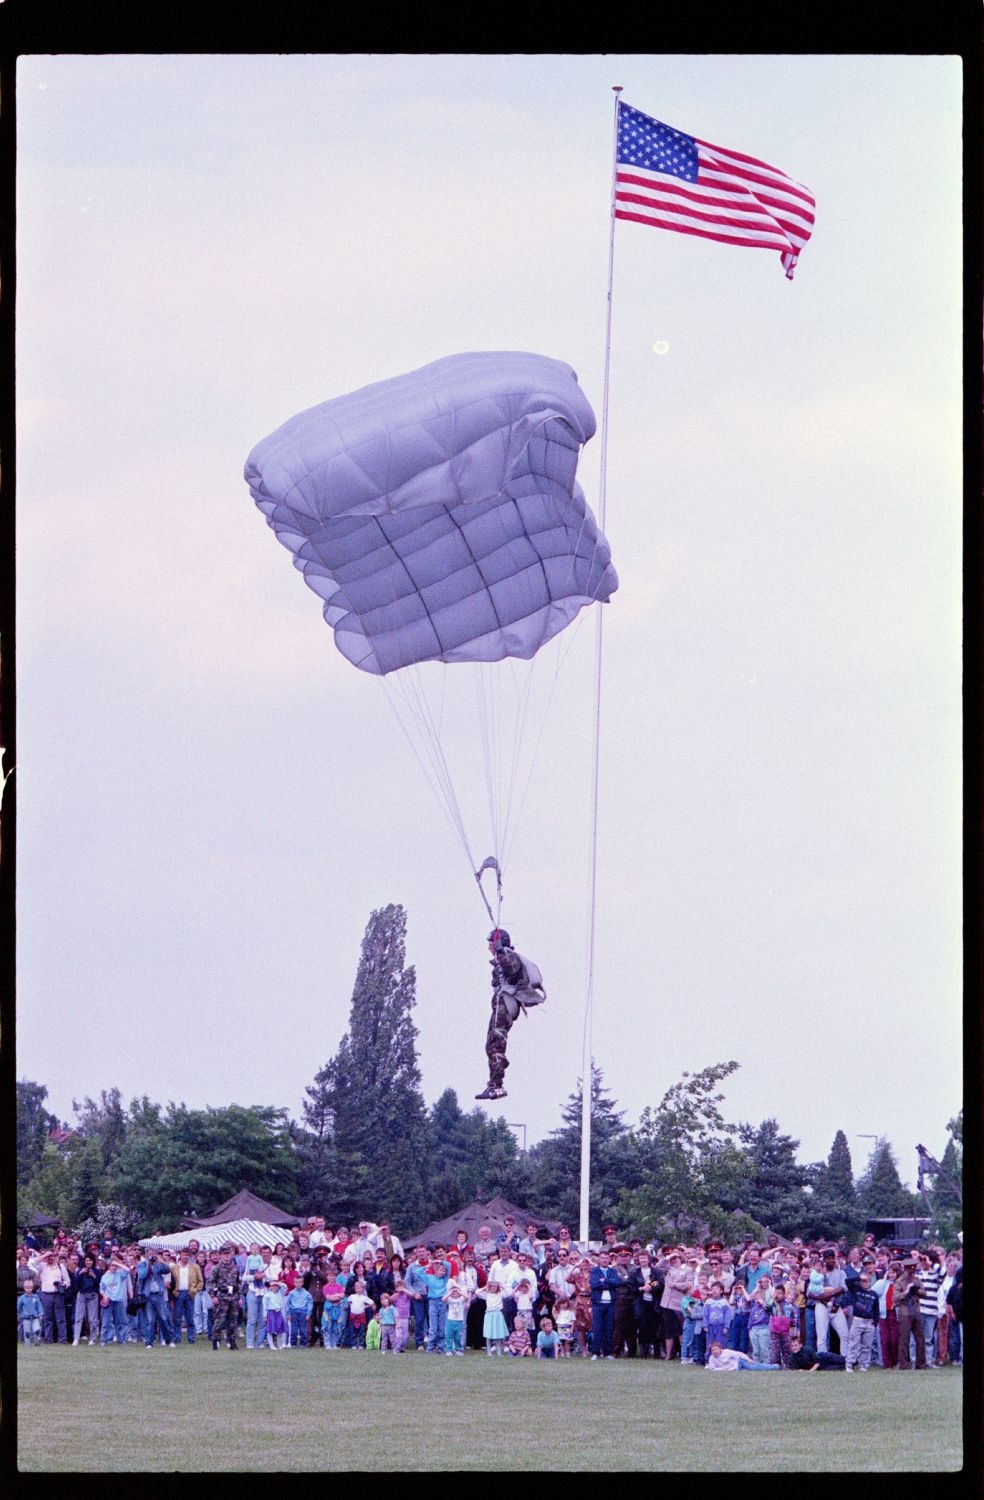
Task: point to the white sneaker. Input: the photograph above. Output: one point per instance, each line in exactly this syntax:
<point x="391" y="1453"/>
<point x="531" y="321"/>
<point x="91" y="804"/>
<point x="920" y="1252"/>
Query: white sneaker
<point x="594" y="1356"/>
<point x="75" y="1343"/>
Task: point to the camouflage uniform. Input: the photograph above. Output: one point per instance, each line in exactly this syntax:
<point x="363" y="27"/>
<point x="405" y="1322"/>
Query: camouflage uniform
<point x="223" y="1287"/>
<point x="497" y="1036"/>
<point x="516" y="983"/>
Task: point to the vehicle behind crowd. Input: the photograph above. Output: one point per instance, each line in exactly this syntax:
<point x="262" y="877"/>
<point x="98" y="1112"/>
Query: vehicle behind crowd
<point x="512" y="1291"/>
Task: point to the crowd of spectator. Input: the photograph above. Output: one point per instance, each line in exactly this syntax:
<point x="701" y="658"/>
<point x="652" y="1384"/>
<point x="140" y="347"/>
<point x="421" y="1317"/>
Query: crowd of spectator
<point x="514" y="1291"/>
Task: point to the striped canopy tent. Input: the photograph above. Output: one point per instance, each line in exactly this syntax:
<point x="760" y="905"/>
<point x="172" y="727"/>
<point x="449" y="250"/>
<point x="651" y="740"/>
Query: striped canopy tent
<point x="238" y="1232"/>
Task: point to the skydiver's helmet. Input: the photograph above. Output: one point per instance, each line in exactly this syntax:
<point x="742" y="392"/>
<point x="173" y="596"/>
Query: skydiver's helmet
<point x="499" y="938"/>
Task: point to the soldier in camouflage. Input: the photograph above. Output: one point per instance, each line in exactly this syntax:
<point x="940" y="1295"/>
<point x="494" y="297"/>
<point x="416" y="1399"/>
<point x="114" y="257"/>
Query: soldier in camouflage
<point x="516" y="984"/>
<point x="223" y="1287"/>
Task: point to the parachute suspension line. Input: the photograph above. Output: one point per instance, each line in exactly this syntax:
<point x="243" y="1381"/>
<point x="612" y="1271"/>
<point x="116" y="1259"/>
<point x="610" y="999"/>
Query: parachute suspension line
<point x="533" y="756"/>
<point x="522" y="698"/>
<point x="416" y="710"/>
<point x="484" y="690"/>
<point x="587" y="1076"/>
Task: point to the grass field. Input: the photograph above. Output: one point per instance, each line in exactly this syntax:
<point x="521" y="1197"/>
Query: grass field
<point x="194" y="1410"/>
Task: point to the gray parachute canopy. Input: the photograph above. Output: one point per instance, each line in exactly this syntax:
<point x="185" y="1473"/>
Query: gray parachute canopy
<point x="437" y="513"/>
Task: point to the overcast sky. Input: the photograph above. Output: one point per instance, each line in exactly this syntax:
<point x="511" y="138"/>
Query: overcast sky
<point x="211" y="800"/>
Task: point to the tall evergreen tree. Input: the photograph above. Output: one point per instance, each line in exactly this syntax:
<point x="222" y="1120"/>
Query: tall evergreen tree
<point x="556" y="1162"/>
<point x="372" y="1102"/>
<point x="833" y="1208"/>
<point x="880" y="1191"/>
<point x="774" y="1195"/>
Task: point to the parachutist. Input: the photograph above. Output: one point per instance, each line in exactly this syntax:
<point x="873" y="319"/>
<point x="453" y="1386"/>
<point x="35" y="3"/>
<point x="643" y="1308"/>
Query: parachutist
<point x="516" y="985"/>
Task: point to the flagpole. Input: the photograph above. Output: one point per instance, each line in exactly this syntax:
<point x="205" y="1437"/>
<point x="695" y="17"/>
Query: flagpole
<point x="587" y="1062"/>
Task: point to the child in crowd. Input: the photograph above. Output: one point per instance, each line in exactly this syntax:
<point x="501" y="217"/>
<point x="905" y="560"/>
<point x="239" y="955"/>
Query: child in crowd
<point x="781" y="1322"/>
<point x="401" y="1302"/>
<point x="374" y="1332"/>
<point x="758" y="1325"/>
<point x="565" y="1316"/>
<point x="273" y="1312"/>
<point x="738" y="1332"/>
<point x="547" y="1341"/>
<point x="333" y="1316"/>
<point x="454" y="1328"/>
<point x="525" y="1292"/>
<point x="298" y="1307"/>
<point x="815" y="1284"/>
<point x="494" y="1330"/>
<point x="717" y="1315"/>
<point x="29" y="1314"/>
<point x="693" y="1318"/>
<point x="358" y="1303"/>
<point x="387" y="1324"/>
<point x="519" y="1339"/>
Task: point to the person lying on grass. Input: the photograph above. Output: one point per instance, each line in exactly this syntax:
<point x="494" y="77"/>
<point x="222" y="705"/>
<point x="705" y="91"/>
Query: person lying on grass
<point x="720" y="1358"/>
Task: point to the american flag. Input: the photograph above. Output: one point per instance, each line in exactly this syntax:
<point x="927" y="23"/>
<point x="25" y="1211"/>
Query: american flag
<point x="674" y="181"/>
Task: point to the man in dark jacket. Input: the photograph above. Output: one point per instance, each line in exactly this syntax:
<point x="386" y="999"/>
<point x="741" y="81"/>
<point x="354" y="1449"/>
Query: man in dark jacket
<point x="516" y="984"/>
<point x="624" y="1326"/>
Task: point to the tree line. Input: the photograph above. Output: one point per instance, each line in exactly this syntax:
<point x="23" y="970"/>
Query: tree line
<point x="368" y="1146"/>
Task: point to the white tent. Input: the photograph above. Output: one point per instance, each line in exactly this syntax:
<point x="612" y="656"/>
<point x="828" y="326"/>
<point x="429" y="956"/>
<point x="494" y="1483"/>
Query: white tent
<point x="238" y="1232"/>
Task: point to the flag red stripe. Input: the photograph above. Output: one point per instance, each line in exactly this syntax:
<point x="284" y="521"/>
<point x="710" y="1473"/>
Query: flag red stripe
<point x="775" y="180"/>
<point x="740" y="196"/>
<point x="707" y="234"/>
<point x="750" y="220"/>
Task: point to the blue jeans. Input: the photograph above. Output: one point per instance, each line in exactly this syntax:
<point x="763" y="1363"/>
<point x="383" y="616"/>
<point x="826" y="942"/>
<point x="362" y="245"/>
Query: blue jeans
<point x="602" y="1328"/>
<point x="155" y="1316"/>
<point x="454" y="1336"/>
<point x="255" y="1326"/>
<point x="203" y="1313"/>
<point x="114" y="1322"/>
<point x="298" y="1330"/>
<point x="956" y="1342"/>
<point x="184" y="1311"/>
<point x="332" y="1324"/>
<point x="738" y="1333"/>
<point x="757" y="1364"/>
<point x="759" y="1339"/>
<point x="811" y="1328"/>
<point x="437" y="1314"/>
<point x="929" y="1334"/>
<point x="690" y="1329"/>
